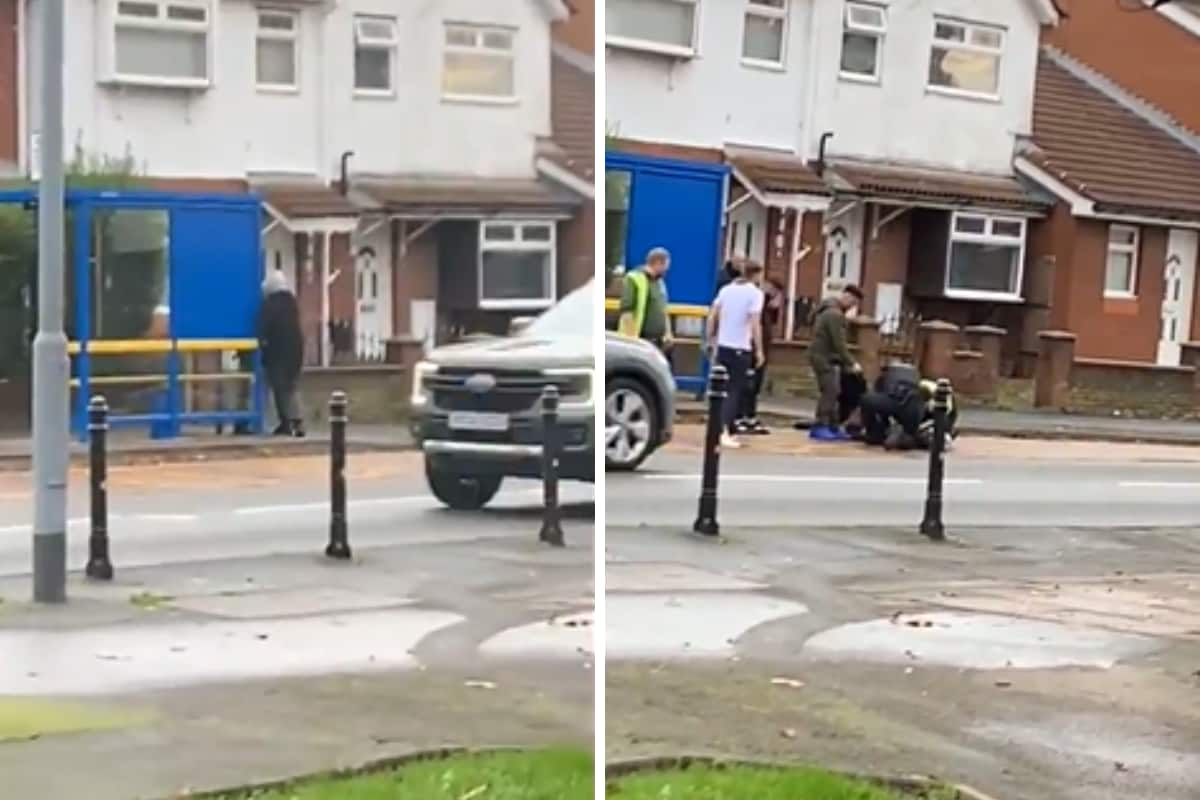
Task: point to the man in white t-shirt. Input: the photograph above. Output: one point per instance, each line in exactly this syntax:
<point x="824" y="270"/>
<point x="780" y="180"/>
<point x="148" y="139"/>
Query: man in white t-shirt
<point x="736" y="340"/>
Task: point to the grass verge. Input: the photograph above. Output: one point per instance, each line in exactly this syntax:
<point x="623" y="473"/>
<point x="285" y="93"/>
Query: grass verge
<point x="23" y="718"/>
<point x="535" y="775"/>
<point x="750" y="783"/>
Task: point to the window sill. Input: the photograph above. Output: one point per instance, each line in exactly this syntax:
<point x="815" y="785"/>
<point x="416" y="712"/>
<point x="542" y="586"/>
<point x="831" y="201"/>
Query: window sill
<point x="854" y="77"/>
<point x="268" y="88"/>
<point x="374" y="94"/>
<point x="479" y="100"/>
<point x="1121" y="296"/>
<point x="960" y="94"/>
<point x="144" y="82"/>
<point x="656" y="48"/>
<point x="531" y="304"/>
<point x="764" y="66"/>
<point x="989" y="297"/>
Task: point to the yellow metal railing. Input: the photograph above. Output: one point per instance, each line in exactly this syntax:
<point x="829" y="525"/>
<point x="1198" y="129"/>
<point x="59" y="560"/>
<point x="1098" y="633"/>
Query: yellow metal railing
<point x="121" y="347"/>
<point x="674" y="309"/>
<point x="124" y="347"/>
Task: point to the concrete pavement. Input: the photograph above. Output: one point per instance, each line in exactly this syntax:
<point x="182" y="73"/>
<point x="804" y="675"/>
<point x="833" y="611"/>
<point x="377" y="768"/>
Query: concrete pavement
<point x="1050" y="650"/>
<point x="135" y="446"/>
<point x="229" y="651"/>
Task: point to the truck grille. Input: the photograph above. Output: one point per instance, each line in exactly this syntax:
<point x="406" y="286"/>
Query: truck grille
<point x="513" y="393"/>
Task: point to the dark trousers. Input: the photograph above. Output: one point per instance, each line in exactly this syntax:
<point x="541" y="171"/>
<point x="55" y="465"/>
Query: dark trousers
<point x="754" y="385"/>
<point x="283" y="391"/>
<point x="737" y="363"/>
<point x="880" y="411"/>
<point x="661" y="343"/>
<point x="829" y="387"/>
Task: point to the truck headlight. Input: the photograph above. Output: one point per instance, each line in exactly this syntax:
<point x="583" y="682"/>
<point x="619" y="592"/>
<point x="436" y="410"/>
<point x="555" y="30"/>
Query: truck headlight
<point x="422" y="372"/>
<point x="576" y="384"/>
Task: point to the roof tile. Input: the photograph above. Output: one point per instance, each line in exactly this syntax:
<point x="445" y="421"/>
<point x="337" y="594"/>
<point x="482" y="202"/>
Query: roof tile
<point x="1105" y="151"/>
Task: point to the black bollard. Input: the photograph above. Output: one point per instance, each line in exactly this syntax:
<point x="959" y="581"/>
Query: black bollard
<point x="99" y="566"/>
<point x="706" y="520"/>
<point x="931" y="525"/>
<point x="552" y="532"/>
<point x="339" y="543"/>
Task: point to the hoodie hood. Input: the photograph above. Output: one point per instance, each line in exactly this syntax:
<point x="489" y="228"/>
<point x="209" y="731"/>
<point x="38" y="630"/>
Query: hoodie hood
<point x="274" y="283"/>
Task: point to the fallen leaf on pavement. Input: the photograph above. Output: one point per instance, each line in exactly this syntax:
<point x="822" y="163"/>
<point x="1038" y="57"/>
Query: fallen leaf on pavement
<point x="479" y="685"/>
<point x="788" y="733"/>
<point x="1003" y="684"/>
<point x="1120" y="767"/>
<point x="791" y="683"/>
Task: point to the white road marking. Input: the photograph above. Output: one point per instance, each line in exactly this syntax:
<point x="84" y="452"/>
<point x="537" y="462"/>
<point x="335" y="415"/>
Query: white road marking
<point x="1159" y="485"/>
<point x="27" y="528"/>
<point x="165" y="517"/>
<point x="839" y="479"/>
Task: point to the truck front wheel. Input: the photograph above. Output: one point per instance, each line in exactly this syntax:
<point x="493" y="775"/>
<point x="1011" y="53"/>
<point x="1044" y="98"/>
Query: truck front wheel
<point x="462" y="492"/>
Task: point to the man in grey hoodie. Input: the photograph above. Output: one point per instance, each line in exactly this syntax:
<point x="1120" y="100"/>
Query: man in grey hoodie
<point x="829" y="355"/>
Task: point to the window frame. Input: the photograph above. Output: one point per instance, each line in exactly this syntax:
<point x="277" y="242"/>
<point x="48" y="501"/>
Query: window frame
<point x="757" y="8"/>
<point x="480" y="30"/>
<point x="988" y="237"/>
<point x="662" y="48"/>
<point x="519" y="245"/>
<point x="878" y="32"/>
<point x="162" y="22"/>
<point x="1132" y="250"/>
<point x="390" y="45"/>
<point x="968" y="46"/>
<point x="276" y="35"/>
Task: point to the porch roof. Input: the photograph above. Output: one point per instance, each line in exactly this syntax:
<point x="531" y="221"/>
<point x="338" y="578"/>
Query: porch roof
<point x="1103" y="150"/>
<point x="778" y="174"/>
<point x="939" y="188"/>
<point x="309" y="200"/>
<point x="467" y="198"/>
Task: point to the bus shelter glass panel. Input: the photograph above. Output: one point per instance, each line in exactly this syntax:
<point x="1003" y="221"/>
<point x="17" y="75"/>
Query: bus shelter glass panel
<point x="129" y="309"/>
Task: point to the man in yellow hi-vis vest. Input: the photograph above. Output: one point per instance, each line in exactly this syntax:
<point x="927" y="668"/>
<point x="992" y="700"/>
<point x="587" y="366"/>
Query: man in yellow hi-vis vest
<point x="644" y="302"/>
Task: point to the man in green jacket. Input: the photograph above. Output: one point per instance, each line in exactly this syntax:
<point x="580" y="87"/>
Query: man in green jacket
<point x="829" y="355"/>
<point x="644" y="302"/>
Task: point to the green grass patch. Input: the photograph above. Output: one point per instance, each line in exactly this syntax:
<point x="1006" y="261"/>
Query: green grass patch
<point x="538" y="775"/>
<point x="149" y="601"/>
<point x="23" y="718"/>
<point x="750" y="783"/>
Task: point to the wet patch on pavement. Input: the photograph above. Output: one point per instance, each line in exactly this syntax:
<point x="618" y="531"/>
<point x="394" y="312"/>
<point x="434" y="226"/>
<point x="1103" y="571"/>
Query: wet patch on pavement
<point x="687" y="625"/>
<point x="125" y="659"/>
<point x="569" y="636"/>
<point x="975" y="641"/>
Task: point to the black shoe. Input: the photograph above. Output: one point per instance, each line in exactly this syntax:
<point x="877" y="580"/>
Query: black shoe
<point x="741" y="426"/>
<point x="297" y="430"/>
<point x="282" y="429"/>
<point x="755" y="427"/>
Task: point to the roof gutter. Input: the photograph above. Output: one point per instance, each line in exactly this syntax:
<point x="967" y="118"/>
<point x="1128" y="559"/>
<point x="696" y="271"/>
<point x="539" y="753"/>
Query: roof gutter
<point x="1085" y="207"/>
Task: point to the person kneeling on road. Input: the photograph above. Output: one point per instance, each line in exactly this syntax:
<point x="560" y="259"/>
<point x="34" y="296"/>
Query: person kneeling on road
<point x="898" y="412"/>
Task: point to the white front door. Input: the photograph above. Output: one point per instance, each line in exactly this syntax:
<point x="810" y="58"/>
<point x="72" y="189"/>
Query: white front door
<point x="1179" y="283"/>
<point x="373" y="298"/>
<point x="843" y="251"/>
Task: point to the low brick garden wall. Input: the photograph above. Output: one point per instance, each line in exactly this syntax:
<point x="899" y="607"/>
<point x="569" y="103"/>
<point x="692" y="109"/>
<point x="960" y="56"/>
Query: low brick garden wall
<point x="1136" y="390"/>
<point x="379" y="393"/>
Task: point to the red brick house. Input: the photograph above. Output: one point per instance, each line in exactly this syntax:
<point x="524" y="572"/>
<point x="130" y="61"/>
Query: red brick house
<point x="1116" y="260"/>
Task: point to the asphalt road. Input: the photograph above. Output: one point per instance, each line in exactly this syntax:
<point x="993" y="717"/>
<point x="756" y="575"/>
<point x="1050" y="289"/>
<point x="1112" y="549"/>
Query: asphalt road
<point x="759" y="490"/>
<point x="183" y="523"/>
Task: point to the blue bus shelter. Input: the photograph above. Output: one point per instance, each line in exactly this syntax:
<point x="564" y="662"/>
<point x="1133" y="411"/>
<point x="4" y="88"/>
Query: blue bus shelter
<point x="678" y="205"/>
<point x="201" y="255"/>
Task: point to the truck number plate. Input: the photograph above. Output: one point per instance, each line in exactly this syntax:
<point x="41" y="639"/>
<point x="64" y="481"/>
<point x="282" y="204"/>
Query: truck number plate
<point x="478" y="421"/>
